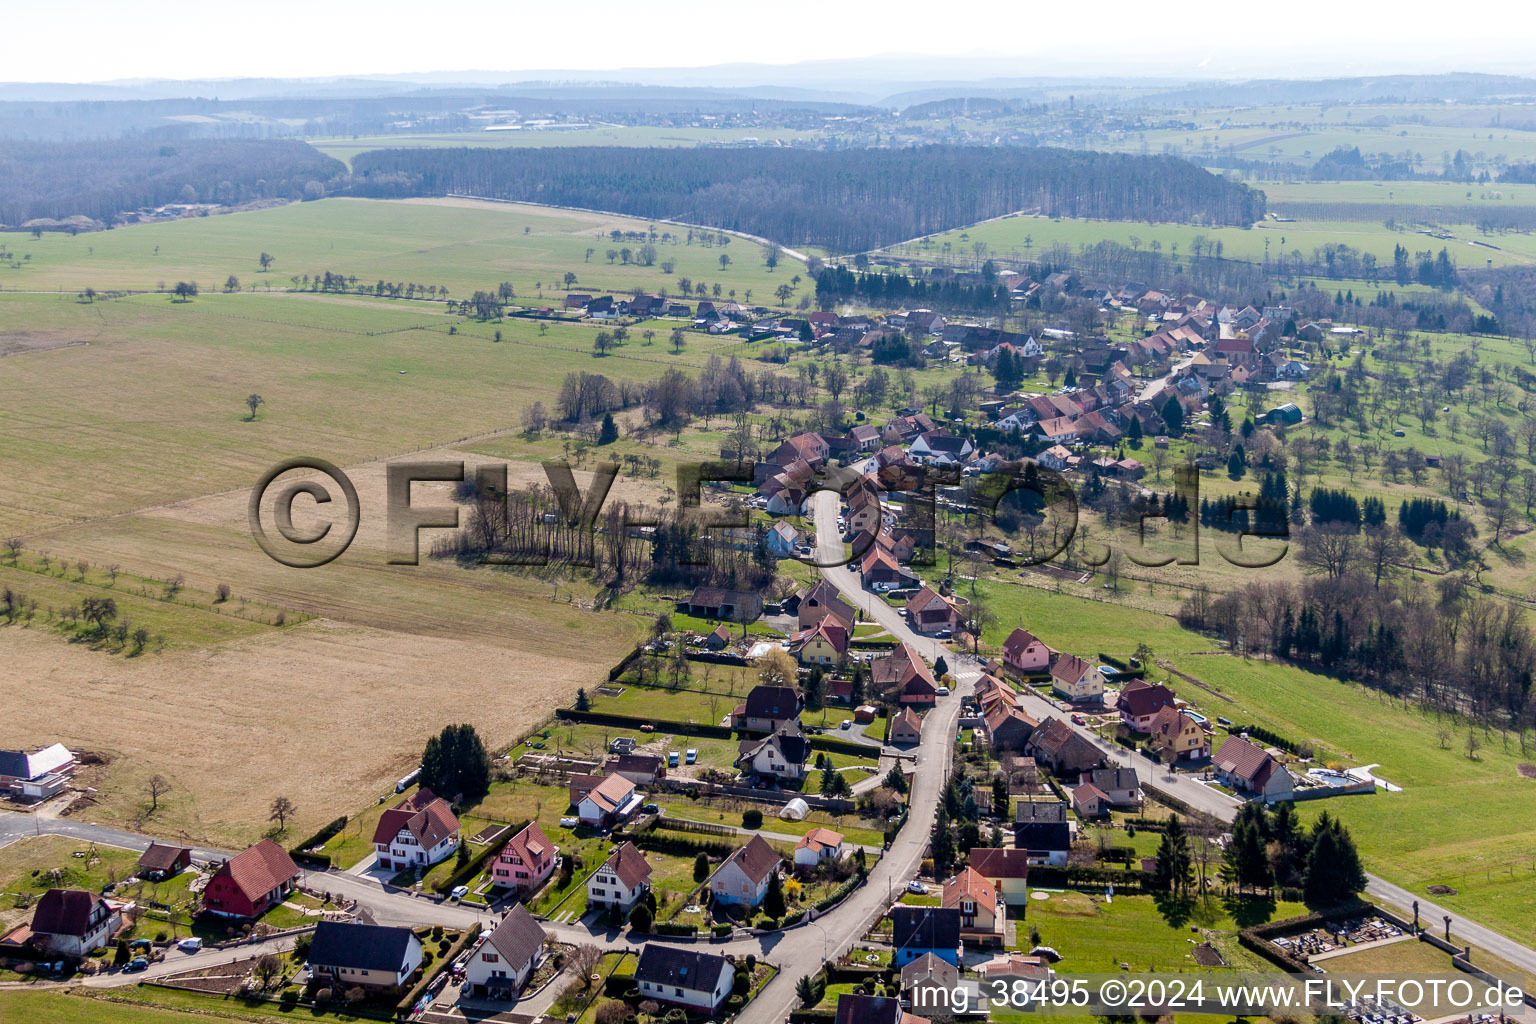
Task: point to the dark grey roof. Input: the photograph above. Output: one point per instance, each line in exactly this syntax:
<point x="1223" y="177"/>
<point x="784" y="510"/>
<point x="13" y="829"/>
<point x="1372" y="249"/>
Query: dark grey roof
<point x="773" y="702"/>
<point x="679" y="968"/>
<point x="363" y="947"/>
<point x="518" y="937"/>
<point x="925" y="928"/>
<point x="853" y="1009"/>
<point x="1042" y="835"/>
<point x="1041" y="810"/>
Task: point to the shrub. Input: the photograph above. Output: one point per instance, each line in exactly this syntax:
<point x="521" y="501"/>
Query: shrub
<point x="752" y="818"/>
<point x="723" y="930"/>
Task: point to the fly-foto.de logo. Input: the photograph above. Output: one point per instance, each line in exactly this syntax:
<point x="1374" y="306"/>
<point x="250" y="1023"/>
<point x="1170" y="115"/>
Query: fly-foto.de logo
<point x="1039" y="506"/>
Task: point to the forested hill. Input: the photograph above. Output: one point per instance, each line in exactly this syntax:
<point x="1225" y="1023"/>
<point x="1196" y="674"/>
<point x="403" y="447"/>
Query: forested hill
<point x="844" y="201"/>
<point x="104" y="178"/>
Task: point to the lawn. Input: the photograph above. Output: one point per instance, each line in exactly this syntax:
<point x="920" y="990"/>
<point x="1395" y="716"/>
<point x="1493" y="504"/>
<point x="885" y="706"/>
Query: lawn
<point x="36" y="864"/>
<point x="1096" y="936"/>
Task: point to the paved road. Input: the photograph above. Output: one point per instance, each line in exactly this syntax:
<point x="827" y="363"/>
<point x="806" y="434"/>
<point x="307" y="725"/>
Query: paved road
<point x="1154" y="386"/>
<point x="14" y="826"/>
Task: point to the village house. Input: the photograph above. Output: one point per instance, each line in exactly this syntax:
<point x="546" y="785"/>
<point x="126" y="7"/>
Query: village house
<point x="1252" y="770"/>
<point x="742" y="879"/>
<point x="72" y="922"/>
<point x="779" y="755"/>
<point x="1089" y="801"/>
<point x="1060" y="748"/>
<point x="689" y="978"/>
<point x="38" y="775"/>
<point x="506" y="956"/>
<point x="767" y="707"/>
<point x="821" y="601"/>
<point x="641" y="769"/>
<point x="1120" y="786"/>
<point x="906" y="728"/>
<point x="369" y="956"/>
<point x="162" y="861"/>
<point x="826" y="643"/>
<point x="817" y="847"/>
<point x="1140" y="701"/>
<point x="881" y="571"/>
<point x="1008" y="728"/>
<point x="604" y="802"/>
<point x="1177" y="736"/>
<point x="930" y="613"/>
<point x="1025" y="653"/>
<point x="730" y="605"/>
<point x="919" y="930"/>
<point x="982" y="913"/>
<point x="782" y="540"/>
<point x="1076" y="680"/>
<point x="905" y="676"/>
<point x="416" y="833"/>
<point x="250" y="883"/>
<point x="526" y="860"/>
<point x="1006" y="869"/>
<point x="623" y="878"/>
<point x="857" y="1009"/>
<point x="928" y="983"/>
<point x="1041" y="829"/>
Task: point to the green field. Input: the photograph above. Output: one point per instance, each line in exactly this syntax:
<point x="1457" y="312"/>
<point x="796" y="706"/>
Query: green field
<point x="1025" y="237"/>
<point x="461" y="244"/>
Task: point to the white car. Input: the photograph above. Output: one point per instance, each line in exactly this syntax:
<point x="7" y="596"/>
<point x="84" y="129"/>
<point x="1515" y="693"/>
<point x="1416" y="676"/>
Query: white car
<point x="190" y="945"/>
<point x="459" y="892"/>
<point x="917" y="888"/>
<point x="569" y="821"/>
<point x="847" y="724"/>
<point x="943" y="691"/>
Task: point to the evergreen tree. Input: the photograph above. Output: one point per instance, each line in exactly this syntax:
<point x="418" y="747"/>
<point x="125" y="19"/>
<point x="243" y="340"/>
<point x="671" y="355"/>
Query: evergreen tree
<point x="583" y="702"/>
<point x="1173" y="415"/>
<point x="1334" y="874"/>
<point x="640" y="917"/>
<point x="455" y="763"/>
<point x="609" y="431"/>
<point x="1175" y="866"/>
<point x="1000" y="798"/>
<point x="701" y="867"/>
<point x="773" y="899"/>
<point x="1133" y="432"/>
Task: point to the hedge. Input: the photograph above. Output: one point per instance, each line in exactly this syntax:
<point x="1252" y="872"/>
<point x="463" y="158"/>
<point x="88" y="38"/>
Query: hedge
<point x="403" y="1007"/>
<point x="670" y="928"/>
<point x="841" y="745"/>
<point x="836" y="896"/>
<point x="1274" y="739"/>
<point x="794" y="918"/>
<point x="681" y="845"/>
<point x="320" y="838"/>
<point x="722" y="930"/>
<point x="472" y="867"/>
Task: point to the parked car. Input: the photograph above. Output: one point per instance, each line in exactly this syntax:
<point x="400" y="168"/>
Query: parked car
<point x="570" y="821"/>
<point x="943" y="691"/>
<point x="138" y="963"/>
<point x="672" y="757"/>
<point x="650" y="808"/>
<point x="459" y="892"/>
<point x="847" y="724"/>
<point x="917" y="888"/>
<point x="1079" y="720"/>
<point x="691" y="756"/>
<point x="190" y="945"/>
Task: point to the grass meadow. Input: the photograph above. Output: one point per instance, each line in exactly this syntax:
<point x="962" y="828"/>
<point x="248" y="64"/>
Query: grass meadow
<point x="461" y="244"/>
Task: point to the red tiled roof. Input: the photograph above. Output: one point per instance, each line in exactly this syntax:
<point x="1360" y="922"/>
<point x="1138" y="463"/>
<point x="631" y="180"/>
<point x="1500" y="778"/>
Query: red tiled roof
<point x="969" y="884"/>
<point x="259" y="870"/>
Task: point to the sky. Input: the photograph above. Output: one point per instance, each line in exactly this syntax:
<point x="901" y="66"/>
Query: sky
<point x="105" y="40"/>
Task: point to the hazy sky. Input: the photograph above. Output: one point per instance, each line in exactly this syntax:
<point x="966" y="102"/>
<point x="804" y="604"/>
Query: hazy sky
<point x="99" y="40"/>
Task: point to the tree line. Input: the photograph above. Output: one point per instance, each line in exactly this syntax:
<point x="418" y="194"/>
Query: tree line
<point x="103" y="178"/>
<point x="845" y="201"/>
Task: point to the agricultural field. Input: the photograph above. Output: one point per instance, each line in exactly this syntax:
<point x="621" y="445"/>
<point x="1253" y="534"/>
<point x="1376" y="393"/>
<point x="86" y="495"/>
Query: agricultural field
<point x="1025" y="237"/>
<point x="460" y="244"/>
<point x="345" y="147"/>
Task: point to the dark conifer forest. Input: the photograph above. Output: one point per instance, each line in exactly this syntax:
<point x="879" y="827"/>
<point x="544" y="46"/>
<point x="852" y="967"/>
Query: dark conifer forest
<point x="844" y="201"/>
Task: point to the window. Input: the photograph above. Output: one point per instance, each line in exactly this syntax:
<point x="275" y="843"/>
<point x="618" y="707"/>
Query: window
<point x="490" y="958"/>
